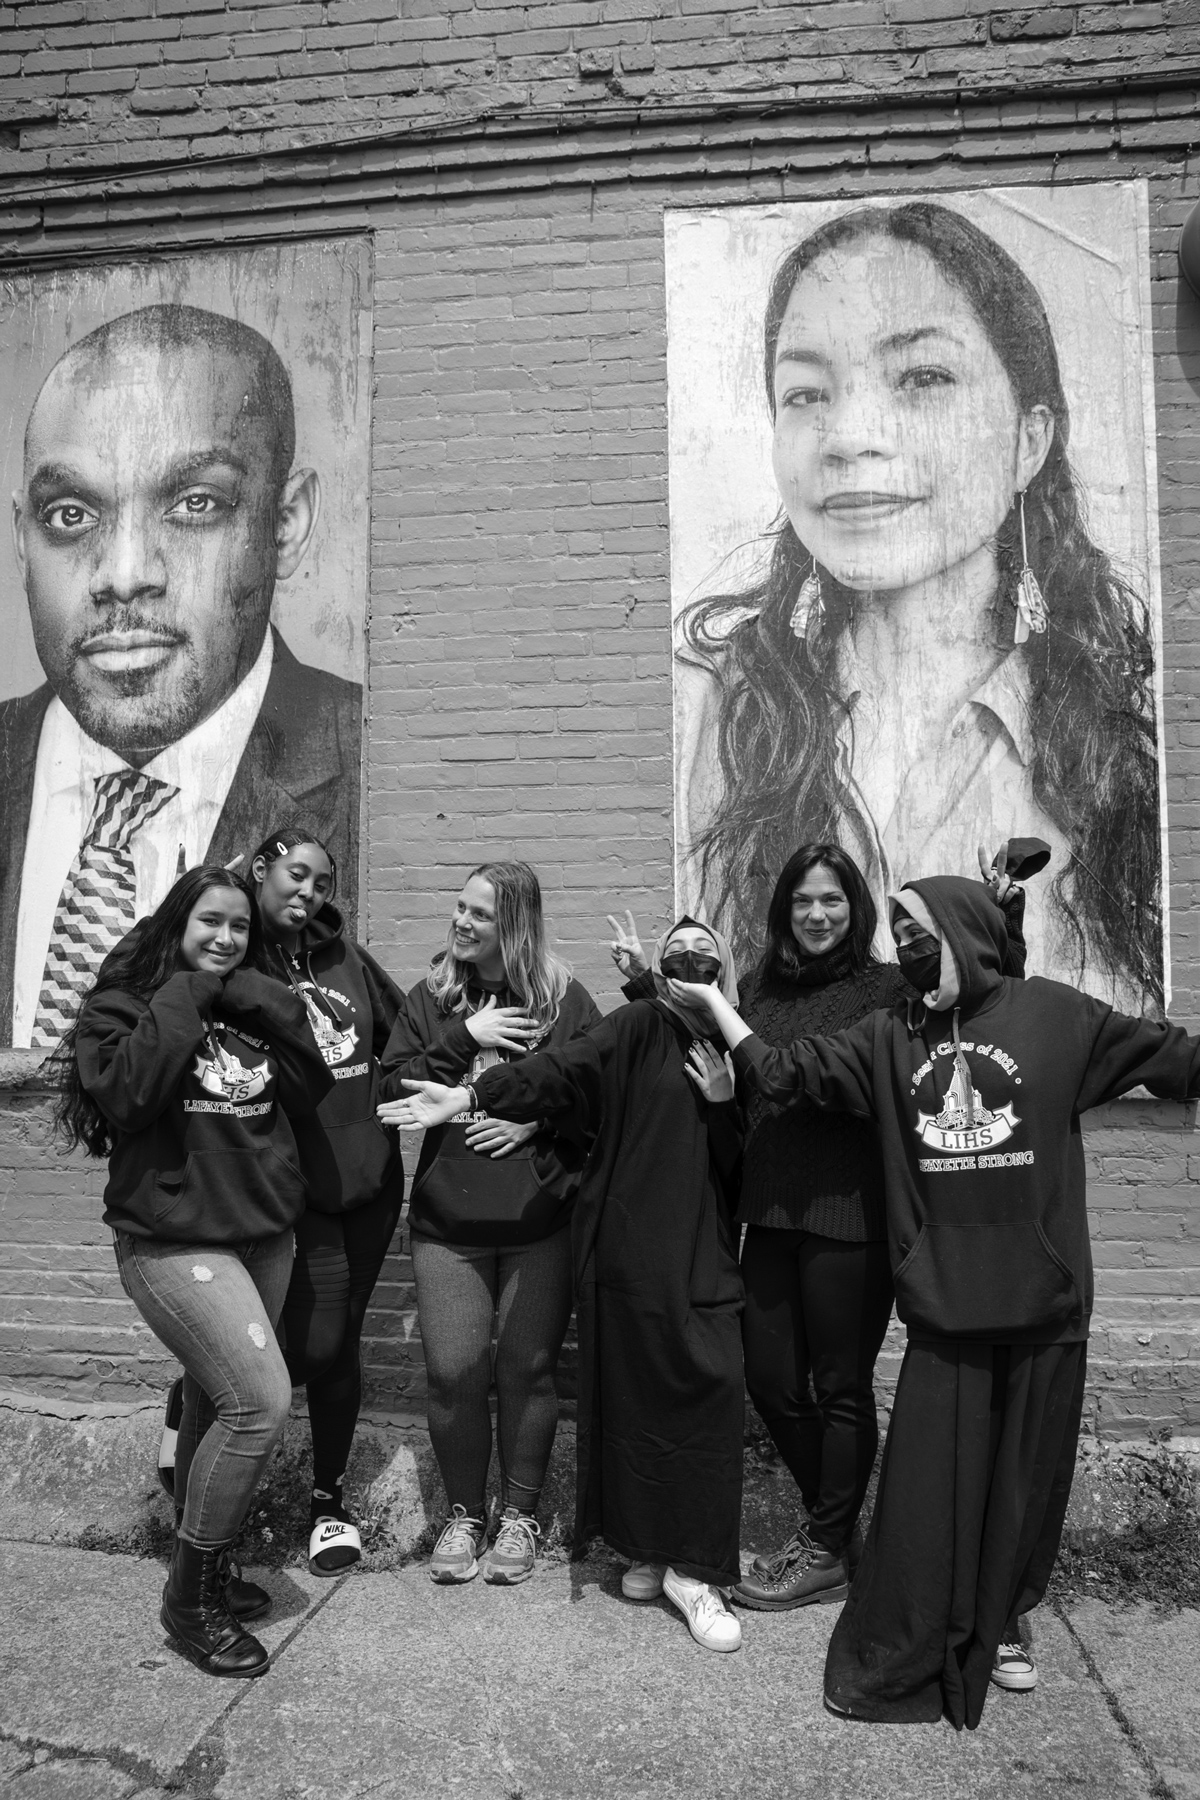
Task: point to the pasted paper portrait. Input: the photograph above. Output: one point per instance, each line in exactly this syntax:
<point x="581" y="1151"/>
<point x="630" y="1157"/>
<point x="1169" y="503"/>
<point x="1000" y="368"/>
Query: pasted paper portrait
<point x="184" y="591"/>
<point x="914" y="557"/>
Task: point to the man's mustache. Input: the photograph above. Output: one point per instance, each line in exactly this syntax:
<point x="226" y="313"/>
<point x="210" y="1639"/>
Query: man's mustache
<point x="133" y="628"/>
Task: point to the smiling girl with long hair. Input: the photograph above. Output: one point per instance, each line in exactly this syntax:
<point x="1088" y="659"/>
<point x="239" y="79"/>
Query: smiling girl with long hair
<point x="490" y="1217"/>
<point x="937" y="654"/>
<point x="185" y="1069"/>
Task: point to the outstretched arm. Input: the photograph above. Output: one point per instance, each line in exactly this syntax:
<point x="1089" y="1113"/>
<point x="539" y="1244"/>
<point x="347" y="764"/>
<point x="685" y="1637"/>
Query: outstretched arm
<point x="1128" y="1053"/>
<point x="833" y="1072"/>
<point x="732" y="1026"/>
<point x="561" y="1087"/>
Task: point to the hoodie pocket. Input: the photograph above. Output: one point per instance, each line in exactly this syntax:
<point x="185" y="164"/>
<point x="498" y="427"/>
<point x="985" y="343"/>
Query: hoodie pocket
<point x="229" y="1196"/>
<point x="985" y="1281"/>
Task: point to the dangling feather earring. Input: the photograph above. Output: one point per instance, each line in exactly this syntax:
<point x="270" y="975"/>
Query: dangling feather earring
<point x="1031" y="608"/>
<point x="809" y="609"/>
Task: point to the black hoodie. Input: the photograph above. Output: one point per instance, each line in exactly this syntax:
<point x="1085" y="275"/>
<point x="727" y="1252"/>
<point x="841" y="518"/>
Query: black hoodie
<point x="201" y="1084"/>
<point x="458" y="1195"/>
<point x="984" y="1176"/>
<point x="349" y="1157"/>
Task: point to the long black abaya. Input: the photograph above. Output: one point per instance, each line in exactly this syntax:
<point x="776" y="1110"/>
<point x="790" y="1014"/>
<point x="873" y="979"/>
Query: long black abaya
<point x="972" y="1496"/>
<point x="661" y="1397"/>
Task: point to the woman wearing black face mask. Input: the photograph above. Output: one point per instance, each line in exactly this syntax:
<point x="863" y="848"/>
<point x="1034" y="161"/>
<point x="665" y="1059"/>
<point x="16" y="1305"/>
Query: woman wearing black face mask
<point x="815" y="1257"/>
<point x="661" y="1397"/>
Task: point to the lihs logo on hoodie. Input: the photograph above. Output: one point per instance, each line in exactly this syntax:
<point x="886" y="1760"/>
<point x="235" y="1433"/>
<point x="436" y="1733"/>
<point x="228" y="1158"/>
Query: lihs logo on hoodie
<point x="230" y="1080"/>
<point x="335" y="1044"/>
<point x="964" y="1124"/>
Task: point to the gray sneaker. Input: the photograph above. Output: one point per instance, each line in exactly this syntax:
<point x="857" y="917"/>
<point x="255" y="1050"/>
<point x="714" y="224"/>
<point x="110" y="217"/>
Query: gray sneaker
<point x="513" y="1556"/>
<point x="455" y="1555"/>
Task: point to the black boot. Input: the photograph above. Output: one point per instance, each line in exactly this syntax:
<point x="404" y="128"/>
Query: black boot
<point x="195" y="1615"/>
<point x="245" y="1599"/>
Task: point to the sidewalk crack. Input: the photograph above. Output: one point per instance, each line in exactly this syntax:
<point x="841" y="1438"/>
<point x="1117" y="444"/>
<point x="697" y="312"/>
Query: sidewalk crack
<point x="206" y="1763"/>
<point x="43" y="1751"/>
<point x="1159" y="1788"/>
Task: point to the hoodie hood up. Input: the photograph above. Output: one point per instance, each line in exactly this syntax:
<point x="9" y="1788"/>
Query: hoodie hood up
<point x="972" y="932"/>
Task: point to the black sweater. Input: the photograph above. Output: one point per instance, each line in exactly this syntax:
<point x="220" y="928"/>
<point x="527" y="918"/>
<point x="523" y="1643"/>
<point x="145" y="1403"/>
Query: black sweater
<point x="984" y="1175"/>
<point x="200" y="1084"/>
<point x="805" y="1169"/>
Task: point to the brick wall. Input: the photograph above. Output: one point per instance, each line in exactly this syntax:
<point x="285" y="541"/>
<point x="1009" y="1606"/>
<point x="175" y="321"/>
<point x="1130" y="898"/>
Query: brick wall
<point x="121" y="80"/>
<point x="519" y="676"/>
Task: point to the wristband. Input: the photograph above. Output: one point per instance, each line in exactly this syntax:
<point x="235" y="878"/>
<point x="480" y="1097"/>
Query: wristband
<point x="472" y="1097"/>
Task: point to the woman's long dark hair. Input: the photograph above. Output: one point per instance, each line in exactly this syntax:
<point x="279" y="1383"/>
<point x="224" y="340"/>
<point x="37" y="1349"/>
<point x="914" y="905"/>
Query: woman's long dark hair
<point x="783" y="958"/>
<point x="145" y="958"/>
<point x="1094" y="769"/>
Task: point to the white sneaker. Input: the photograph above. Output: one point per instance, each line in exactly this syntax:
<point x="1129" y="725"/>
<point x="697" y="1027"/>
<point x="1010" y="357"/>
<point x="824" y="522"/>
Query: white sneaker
<point x="642" y="1581"/>
<point x="708" y="1618"/>
<point x="1013" y="1668"/>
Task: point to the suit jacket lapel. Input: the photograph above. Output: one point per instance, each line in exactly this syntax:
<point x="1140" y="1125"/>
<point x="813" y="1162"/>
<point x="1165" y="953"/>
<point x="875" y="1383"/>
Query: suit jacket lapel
<point x="293" y="770"/>
<point x="20" y="734"/>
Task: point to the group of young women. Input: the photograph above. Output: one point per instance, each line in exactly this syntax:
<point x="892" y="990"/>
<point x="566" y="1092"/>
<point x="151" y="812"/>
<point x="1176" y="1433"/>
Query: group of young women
<point x="243" y="1065"/>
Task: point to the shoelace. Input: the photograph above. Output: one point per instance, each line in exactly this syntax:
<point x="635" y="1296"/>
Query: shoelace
<point x="228" y="1568"/>
<point x="460" y="1533"/>
<point x="1012" y="1651"/>
<point x="517" y="1536"/>
<point x="709" y="1607"/>
<point x="797" y="1548"/>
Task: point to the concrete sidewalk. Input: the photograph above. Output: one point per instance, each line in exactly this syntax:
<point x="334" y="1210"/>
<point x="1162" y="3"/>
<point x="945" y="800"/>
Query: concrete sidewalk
<point x="383" y="1685"/>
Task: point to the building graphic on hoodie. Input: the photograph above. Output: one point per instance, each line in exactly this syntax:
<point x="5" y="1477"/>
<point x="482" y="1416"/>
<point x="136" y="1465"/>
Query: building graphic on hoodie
<point x="965" y="1124"/>
<point x="223" y="1074"/>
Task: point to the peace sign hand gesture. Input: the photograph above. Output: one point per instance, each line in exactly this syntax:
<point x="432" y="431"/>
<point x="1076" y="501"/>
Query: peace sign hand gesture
<point x="1001" y="885"/>
<point x="626" y="947"/>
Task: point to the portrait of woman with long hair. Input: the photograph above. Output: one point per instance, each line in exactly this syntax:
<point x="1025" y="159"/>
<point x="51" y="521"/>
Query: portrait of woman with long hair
<point x="936" y="653"/>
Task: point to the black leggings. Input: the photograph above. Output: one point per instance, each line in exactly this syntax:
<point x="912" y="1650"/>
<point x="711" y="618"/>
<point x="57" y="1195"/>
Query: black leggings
<point x="525" y="1292"/>
<point x="816" y="1311"/>
<point x="338" y="1259"/>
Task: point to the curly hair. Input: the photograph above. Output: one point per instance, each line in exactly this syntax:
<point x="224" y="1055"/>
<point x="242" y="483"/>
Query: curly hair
<point x="1094" y="770"/>
<point x="144" y="959"/>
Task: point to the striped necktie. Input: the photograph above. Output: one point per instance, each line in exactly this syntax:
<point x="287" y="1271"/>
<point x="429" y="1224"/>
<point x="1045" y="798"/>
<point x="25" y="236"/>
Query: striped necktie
<point x="96" y="906"/>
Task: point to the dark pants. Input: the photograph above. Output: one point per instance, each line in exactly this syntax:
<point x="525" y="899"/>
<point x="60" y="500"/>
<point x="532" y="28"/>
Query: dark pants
<point x="972" y="1496"/>
<point x="816" y="1313"/>
<point x="464" y="1292"/>
<point x="338" y="1259"/>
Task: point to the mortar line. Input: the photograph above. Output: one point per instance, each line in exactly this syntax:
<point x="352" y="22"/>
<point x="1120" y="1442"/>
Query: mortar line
<point x="1159" y="1788"/>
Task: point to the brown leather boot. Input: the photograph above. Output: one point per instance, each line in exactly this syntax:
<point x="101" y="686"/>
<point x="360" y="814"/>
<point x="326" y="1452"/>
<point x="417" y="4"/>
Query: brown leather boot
<point x="804" y="1574"/>
<point x="194" y="1614"/>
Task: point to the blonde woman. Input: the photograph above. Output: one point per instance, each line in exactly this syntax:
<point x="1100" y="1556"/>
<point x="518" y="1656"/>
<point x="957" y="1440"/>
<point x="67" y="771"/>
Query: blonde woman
<point x="490" y="1217"/>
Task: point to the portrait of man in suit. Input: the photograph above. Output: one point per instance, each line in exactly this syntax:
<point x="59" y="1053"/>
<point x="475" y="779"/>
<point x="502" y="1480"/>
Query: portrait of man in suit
<point x="160" y="505"/>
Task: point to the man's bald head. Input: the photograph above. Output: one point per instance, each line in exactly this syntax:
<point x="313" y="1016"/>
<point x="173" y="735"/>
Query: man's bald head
<point x="158" y="511"/>
<point x="266" y="405"/>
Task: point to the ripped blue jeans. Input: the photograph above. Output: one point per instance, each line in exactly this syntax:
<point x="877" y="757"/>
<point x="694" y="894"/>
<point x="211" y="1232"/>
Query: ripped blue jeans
<point x="215" y="1307"/>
